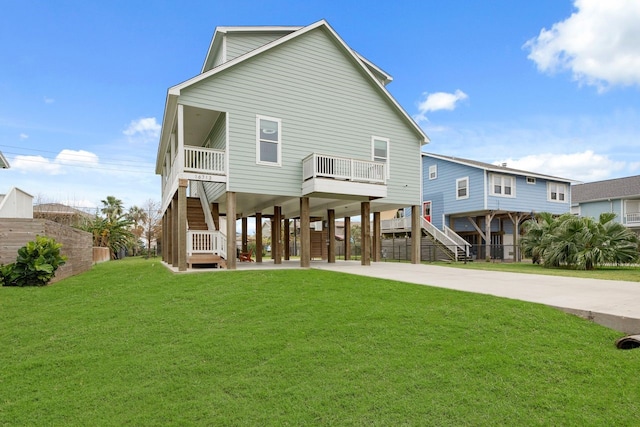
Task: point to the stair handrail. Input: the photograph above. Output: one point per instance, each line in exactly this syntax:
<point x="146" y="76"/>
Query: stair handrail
<point x="440" y="237"/>
<point x="459" y="240"/>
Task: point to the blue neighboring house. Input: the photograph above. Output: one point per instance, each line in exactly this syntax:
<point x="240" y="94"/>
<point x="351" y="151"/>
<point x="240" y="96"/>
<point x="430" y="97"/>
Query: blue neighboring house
<point x="620" y="196"/>
<point x="485" y="203"/>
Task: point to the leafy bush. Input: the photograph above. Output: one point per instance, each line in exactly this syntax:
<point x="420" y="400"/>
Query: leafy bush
<point x="35" y="265"/>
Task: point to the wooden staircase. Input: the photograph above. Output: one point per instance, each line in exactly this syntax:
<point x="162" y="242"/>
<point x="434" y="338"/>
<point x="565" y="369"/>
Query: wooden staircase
<point x="195" y="214"/>
<point x="196" y="221"/>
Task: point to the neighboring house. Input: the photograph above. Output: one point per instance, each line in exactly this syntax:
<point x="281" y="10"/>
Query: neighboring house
<point x="620" y="196"/>
<point x="62" y="214"/>
<point x="485" y="203"/>
<point x="16" y="204"/>
<point x="282" y="122"/>
<point x="4" y="164"/>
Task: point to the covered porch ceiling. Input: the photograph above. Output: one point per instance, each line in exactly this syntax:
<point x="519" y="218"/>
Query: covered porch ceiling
<point x="198" y="123"/>
<point x="247" y="204"/>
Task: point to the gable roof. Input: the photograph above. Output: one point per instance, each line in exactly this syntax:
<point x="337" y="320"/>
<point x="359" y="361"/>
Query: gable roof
<point x="608" y="189"/>
<point x="4" y="164"/>
<point x="495" y="168"/>
<point x="369" y="69"/>
<point x="220" y="32"/>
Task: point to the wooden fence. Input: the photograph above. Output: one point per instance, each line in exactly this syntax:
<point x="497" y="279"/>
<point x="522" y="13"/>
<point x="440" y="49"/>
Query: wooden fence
<point x="76" y="244"/>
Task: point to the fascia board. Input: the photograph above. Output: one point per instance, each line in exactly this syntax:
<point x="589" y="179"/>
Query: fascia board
<point x="498" y="169"/>
<point x="4" y="164"/>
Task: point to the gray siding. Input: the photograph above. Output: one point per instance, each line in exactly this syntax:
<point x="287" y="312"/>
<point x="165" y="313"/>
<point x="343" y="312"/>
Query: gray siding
<point x="326" y="106"/>
<point x="218" y="136"/>
<point x="239" y="44"/>
<point x="219" y="57"/>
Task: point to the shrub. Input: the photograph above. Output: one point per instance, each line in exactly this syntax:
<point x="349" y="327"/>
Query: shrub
<point x="35" y="265"/>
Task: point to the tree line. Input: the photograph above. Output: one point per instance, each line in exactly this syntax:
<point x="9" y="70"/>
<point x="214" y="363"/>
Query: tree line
<point x="123" y="231"/>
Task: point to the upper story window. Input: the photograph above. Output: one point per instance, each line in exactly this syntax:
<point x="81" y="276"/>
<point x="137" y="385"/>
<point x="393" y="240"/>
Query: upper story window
<point x="462" y="188"/>
<point x="268" y="136"/>
<point x="380" y="151"/>
<point x="502" y="185"/>
<point x="557" y="192"/>
<point x="433" y="171"/>
<point x="531" y="180"/>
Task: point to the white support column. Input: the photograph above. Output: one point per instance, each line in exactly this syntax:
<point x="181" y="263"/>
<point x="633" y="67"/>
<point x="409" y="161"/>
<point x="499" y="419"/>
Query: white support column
<point x="180" y="153"/>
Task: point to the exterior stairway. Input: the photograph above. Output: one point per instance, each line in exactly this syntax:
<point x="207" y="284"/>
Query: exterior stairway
<point x="195" y="214"/>
<point x="196" y="222"/>
<point x="452" y="245"/>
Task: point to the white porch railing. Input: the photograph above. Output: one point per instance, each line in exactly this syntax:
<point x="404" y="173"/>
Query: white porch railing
<point x="396" y="224"/>
<point x="204" y="160"/>
<point x="324" y="166"/>
<point x="206" y="242"/>
<point x="632" y="218"/>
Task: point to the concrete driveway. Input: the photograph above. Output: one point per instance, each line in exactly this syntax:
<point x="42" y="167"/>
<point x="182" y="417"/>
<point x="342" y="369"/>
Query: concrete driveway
<point x="612" y="303"/>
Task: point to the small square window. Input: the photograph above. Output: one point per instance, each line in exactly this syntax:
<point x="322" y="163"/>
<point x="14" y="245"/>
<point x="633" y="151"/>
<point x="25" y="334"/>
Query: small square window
<point x="531" y="180"/>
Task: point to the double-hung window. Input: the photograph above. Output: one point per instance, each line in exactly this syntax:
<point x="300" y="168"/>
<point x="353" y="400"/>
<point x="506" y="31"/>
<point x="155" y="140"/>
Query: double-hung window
<point x="268" y="141"/>
<point x="557" y="192"/>
<point x="462" y="188"/>
<point x="433" y="171"/>
<point x="380" y="151"/>
<point x="502" y="185"/>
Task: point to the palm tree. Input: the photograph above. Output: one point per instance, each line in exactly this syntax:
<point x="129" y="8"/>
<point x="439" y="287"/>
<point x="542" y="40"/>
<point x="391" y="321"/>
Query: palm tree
<point x="537" y="231"/>
<point x="579" y="242"/>
<point x="138" y="218"/>
<point x="112" y="207"/>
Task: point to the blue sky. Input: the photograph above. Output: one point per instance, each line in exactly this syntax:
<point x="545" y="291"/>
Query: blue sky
<point x="551" y="86"/>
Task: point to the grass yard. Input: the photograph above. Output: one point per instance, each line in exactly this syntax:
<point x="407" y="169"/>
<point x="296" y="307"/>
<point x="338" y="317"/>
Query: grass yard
<point x="129" y="343"/>
<point x="628" y="273"/>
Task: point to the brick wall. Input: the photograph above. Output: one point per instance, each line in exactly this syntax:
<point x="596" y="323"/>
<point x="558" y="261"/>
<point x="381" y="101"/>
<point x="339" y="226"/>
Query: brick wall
<point x="76" y="244"/>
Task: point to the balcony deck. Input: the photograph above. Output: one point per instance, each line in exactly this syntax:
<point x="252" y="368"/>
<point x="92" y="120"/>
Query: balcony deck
<point x="332" y="175"/>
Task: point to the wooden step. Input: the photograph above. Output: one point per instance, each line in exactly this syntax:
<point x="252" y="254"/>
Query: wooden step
<point x="206" y="259"/>
<point x="195" y="214"/>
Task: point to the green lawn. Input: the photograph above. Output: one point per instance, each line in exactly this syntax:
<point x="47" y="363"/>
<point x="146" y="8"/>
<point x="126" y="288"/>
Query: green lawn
<point x="129" y="343"/>
<point x="627" y="273"/>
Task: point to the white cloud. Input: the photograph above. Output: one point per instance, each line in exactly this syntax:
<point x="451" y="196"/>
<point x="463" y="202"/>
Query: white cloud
<point x="79" y="158"/>
<point x="39" y="164"/>
<point x="24" y="136"/>
<point x="583" y="166"/>
<point x="36" y="164"/>
<point x="48" y="100"/>
<point x="438" y="101"/>
<point x="143" y="130"/>
<point x="599" y="43"/>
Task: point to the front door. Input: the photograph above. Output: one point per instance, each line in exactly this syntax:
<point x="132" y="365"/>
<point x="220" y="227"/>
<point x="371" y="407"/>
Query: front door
<point x="426" y="211"/>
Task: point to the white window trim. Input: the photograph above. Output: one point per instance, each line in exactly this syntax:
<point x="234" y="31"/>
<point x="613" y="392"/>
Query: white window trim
<point x="493" y="176"/>
<point x="279" y="142"/>
<point x="433" y="168"/>
<point x="458" y="197"/>
<point x="565" y="191"/>
<point x="373" y="149"/>
<point x="530" y="180"/>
